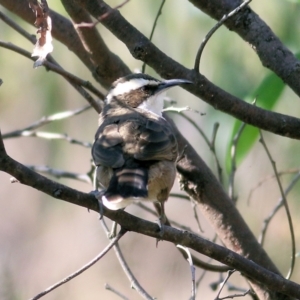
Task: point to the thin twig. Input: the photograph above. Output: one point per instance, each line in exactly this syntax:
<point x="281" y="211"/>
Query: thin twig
<point x="153" y="212"/>
<point x="267" y="220"/>
<point x="229" y="273"/>
<point x="197" y="262"/>
<point x="101" y="18"/>
<point x="206" y="139"/>
<point x="18" y="28"/>
<point x="153" y="28"/>
<point x="180" y="196"/>
<point x="75" y="81"/>
<point x="46" y="120"/>
<point x="55" y="66"/>
<point x="236" y="295"/>
<point x="192" y="268"/>
<point x="110" y="288"/>
<point x="177" y="109"/>
<point x="233" y="153"/>
<point x="200" y="279"/>
<point x="84" y="268"/>
<point x="133" y="281"/>
<point x="261" y="182"/>
<point x="53" y="136"/>
<point x="213" y="30"/>
<point x="285" y="202"/>
<point x="213" y="149"/>
<point x="194" y="207"/>
<point x="60" y="174"/>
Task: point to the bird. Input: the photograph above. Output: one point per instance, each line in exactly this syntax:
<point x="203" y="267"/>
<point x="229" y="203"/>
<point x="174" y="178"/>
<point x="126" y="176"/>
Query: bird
<point x="135" y="149"/>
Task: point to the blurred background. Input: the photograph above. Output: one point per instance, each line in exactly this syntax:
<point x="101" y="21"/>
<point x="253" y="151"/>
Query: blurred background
<point x="42" y="240"/>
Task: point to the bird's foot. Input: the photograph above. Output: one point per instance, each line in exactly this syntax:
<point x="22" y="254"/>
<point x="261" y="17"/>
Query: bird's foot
<point x="113" y="232"/>
<point x="181" y="155"/>
<point x="161" y="222"/>
<point x="98" y="195"/>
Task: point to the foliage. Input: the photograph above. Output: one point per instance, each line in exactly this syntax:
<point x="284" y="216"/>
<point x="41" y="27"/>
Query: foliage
<point x="106" y="42"/>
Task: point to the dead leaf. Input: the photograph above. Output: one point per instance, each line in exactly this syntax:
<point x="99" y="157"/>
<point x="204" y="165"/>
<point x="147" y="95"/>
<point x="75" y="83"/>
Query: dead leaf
<point x="43" y="22"/>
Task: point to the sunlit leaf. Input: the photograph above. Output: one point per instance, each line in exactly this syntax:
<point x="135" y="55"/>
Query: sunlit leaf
<point x="294" y="1"/>
<point x="267" y="95"/>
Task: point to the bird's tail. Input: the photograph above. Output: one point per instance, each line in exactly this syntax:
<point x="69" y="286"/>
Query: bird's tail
<point x="126" y="185"/>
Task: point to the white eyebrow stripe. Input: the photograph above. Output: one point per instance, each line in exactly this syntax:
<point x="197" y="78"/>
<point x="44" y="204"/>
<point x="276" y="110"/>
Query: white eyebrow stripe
<point x="133" y="84"/>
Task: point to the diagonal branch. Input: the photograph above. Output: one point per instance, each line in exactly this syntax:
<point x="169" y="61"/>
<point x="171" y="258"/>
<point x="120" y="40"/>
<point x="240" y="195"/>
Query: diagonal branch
<point x="141" y="48"/>
<point x="106" y="64"/>
<point x="63" y="30"/>
<point x="249" y="268"/>
<point x="253" y="30"/>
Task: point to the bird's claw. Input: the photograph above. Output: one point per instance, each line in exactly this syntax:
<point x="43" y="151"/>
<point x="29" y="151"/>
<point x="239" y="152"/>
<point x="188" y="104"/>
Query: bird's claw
<point x="161" y="224"/>
<point x="98" y="195"/>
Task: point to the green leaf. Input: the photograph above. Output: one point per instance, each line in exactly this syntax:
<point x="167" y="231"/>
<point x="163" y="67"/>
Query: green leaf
<point x="267" y="95"/>
<point x="294" y="1"/>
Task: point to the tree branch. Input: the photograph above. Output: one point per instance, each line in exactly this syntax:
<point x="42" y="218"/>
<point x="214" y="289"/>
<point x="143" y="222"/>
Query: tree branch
<point x="129" y="222"/>
<point x="106" y="64"/>
<point x="63" y="30"/>
<point x="141" y="48"/>
<point x="253" y="30"/>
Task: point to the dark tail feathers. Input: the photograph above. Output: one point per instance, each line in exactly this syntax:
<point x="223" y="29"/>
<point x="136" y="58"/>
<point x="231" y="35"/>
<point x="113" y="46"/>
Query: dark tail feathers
<point x="128" y="183"/>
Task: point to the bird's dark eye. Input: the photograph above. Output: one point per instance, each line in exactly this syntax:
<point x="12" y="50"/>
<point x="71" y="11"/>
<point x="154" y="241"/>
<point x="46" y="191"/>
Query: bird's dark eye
<point x="149" y="89"/>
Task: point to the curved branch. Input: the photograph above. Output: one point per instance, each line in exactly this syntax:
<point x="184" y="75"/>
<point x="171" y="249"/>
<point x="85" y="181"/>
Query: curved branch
<point x="75" y="81"/>
<point x="253" y="30"/>
<point x="213" y="30"/>
<point x="106" y="63"/>
<point x="82" y="269"/>
<point x="63" y="30"/>
<point x="129" y="222"/>
<point x="141" y="48"/>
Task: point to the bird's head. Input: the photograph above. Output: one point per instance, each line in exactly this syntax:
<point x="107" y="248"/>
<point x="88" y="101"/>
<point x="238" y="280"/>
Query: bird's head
<point x="142" y="91"/>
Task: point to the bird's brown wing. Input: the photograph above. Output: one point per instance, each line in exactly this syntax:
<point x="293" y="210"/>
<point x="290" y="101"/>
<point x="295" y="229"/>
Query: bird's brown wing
<point x="139" y="136"/>
<point x="107" y="149"/>
<point x="156" y="141"/>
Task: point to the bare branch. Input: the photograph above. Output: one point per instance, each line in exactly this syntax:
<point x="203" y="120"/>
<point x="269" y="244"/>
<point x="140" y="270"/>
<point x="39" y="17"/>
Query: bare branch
<point x="213" y="150"/>
<point x="106" y="64"/>
<point x="153" y="28"/>
<point x="267" y="221"/>
<point x="213" y="30"/>
<point x="286" y="206"/>
<point x="60" y="174"/>
<point x="84" y="268"/>
<point x="236" y="295"/>
<point x="53" y="136"/>
<point x="63" y="30"/>
<point x="268" y="47"/>
<point x="70" y="77"/>
<point x="190" y="261"/>
<point x="46" y="120"/>
<point x="140" y="48"/>
<point x="233" y="162"/>
<point x="110" y="288"/>
<point x="210" y="144"/>
<point x="273" y="281"/>
<point x="229" y="273"/>
<point x="17" y="28"/>
<point x="133" y="281"/>
<point x="261" y="182"/>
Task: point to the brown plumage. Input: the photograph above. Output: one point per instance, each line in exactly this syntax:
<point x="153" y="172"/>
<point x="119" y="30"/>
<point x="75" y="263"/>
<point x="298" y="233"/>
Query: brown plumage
<point x="135" y="149"/>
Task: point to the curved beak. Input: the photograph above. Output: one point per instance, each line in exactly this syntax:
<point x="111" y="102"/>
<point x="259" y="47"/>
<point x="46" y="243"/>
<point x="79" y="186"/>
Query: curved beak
<point x="166" y="84"/>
